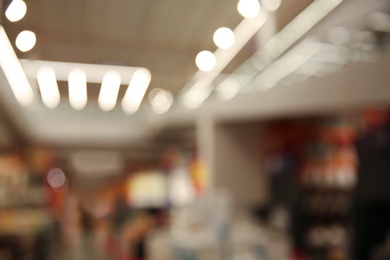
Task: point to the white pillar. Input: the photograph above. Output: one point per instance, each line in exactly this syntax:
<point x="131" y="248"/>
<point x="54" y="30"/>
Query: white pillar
<point x="231" y="154"/>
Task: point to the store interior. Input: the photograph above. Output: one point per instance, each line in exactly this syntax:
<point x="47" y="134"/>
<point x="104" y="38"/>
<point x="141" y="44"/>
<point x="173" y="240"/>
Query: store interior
<point x="195" y="130"/>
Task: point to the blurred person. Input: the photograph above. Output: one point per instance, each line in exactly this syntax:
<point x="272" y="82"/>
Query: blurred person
<point x="136" y="235"/>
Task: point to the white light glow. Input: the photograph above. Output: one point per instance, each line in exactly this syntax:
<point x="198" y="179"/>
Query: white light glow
<point x="109" y="90"/>
<point x="228" y="89"/>
<point x="161" y="100"/>
<point x="57" y="180"/>
<point x="14" y="72"/>
<point x="135" y="92"/>
<point x="248" y="8"/>
<point x="224" y="38"/>
<point x="148" y="189"/>
<point x="205" y="60"/>
<point x="95" y="72"/>
<point x="16" y="10"/>
<point x="25" y="41"/>
<point x="77" y="89"/>
<point x="48" y="87"/>
<point x="195" y="97"/>
<point x="271" y="5"/>
<point x="202" y="81"/>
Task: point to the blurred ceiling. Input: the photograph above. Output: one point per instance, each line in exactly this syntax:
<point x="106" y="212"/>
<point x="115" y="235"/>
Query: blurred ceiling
<point x="163" y="36"/>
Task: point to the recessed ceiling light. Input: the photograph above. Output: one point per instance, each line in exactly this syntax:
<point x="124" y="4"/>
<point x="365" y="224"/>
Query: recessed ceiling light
<point x="25" y="41"/>
<point x="248" y="8"/>
<point x="224" y="38"/>
<point x="16" y="10"/>
<point x="109" y="91"/>
<point x="135" y="92"/>
<point x="77" y="89"/>
<point x="161" y="100"/>
<point x="48" y="87"/>
<point x="205" y="60"/>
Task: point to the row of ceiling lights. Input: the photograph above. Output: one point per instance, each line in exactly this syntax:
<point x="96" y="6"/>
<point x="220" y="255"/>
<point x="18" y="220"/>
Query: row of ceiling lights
<point x="77" y="84"/>
<point x="224" y="37"/>
<point x="160" y="99"/>
<point x="25" y="40"/>
<point x="200" y="88"/>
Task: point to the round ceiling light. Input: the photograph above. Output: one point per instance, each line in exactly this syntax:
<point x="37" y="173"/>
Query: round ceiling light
<point x="205" y="60"/>
<point x="161" y="100"/>
<point x="224" y="38"/>
<point x="16" y="10"/>
<point x="248" y="8"/>
<point x="25" y="41"/>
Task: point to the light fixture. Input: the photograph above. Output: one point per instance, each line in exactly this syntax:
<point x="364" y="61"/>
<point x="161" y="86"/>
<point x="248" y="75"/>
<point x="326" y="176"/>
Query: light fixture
<point x="136" y="90"/>
<point x="205" y="60"/>
<point x="13" y="71"/>
<point x="161" y="100"/>
<point x="271" y="5"/>
<point x="95" y="72"/>
<point x="25" y="41"/>
<point x="224" y="38"/>
<point x="248" y="8"/>
<point x="199" y="88"/>
<point x="109" y="91"/>
<point x="16" y="10"/>
<point x="195" y="96"/>
<point x="77" y="89"/>
<point x="228" y="89"/>
<point x="48" y="87"/>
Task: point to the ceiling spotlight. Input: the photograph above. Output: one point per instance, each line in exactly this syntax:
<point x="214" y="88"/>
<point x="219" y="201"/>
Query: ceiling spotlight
<point x="57" y="180"/>
<point x="271" y="5"/>
<point x="205" y="60"/>
<point x="161" y="100"/>
<point x="48" y="87"/>
<point x="135" y="92"/>
<point x="77" y="89"/>
<point x="25" y="41"/>
<point x="16" y="10"/>
<point x="224" y="38"/>
<point x="195" y="97"/>
<point x="109" y="91"/>
<point x="248" y="8"/>
<point x="14" y="72"/>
